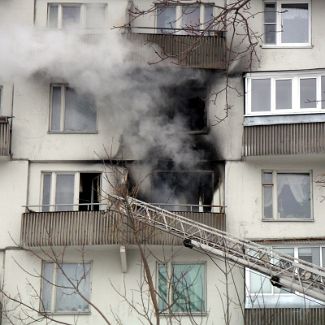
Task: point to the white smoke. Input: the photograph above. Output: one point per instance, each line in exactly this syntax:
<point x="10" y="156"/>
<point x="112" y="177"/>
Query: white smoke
<point x="122" y="83"/>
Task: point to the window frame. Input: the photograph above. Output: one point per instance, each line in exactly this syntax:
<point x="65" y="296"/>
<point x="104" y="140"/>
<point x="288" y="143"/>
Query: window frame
<point x="275" y="217"/>
<point x="63" y="87"/>
<point x="274" y="293"/>
<point x="54" y="174"/>
<point x="170" y="292"/>
<point x="295" y="78"/>
<point x="278" y="42"/>
<point x="83" y="15"/>
<point x="54" y="280"/>
<point x="178" y="18"/>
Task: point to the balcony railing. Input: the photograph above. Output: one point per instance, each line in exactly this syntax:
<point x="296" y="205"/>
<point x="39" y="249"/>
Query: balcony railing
<point x="284" y="139"/>
<point x="4" y="136"/>
<point x="194" y="51"/>
<point x="285" y="316"/>
<point x="102" y="227"/>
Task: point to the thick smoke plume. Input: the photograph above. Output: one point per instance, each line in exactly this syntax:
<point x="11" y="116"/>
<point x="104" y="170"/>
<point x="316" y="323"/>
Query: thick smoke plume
<point x="133" y="92"/>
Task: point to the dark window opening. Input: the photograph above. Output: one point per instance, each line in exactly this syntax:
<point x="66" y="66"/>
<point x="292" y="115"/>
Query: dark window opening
<point x="89" y="191"/>
<point x="188" y="103"/>
<point x="183" y="191"/>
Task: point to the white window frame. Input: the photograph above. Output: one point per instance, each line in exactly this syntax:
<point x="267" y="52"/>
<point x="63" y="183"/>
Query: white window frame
<point x="83" y="13"/>
<point x="295" y="77"/>
<point x="178" y="21"/>
<point x="169" y="267"/>
<point x="54" y="175"/>
<point x="274" y="195"/>
<point x="278" y="42"/>
<point x="64" y="87"/>
<point x="54" y="288"/>
<point x="252" y="295"/>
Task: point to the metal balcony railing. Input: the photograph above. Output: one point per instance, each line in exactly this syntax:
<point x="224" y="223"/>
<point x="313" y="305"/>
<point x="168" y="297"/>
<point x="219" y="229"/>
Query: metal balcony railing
<point x="285" y="316"/>
<point x="189" y="48"/>
<point x="100" y="225"/>
<point x="4" y="136"/>
<point x="284" y="139"/>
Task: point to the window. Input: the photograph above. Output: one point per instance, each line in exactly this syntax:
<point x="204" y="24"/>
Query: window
<point x="183" y="190"/>
<point x="181" y="288"/>
<point x="286" y="195"/>
<point x="187" y="103"/>
<point x="287" y="23"/>
<point x="71" y="111"/>
<point x="288" y="93"/>
<point x="186" y="19"/>
<point x="260" y="292"/>
<point x="71" y="15"/>
<point x="58" y="294"/>
<point x="63" y="191"/>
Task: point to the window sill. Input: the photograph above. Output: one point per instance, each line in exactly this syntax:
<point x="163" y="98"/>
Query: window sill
<point x="289" y="220"/>
<point x="72" y="132"/>
<point x="185" y="314"/>
<point x="66" y="313"/>
<point x="308" y="46"/>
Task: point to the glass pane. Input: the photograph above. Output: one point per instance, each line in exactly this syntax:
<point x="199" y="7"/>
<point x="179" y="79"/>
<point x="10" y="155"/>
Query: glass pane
<point x="53" y="12"/>
<point x="70" y="16"/>
<point x="270" y="13"/>
<point x="47" y="279"/>
<point x="190" y="18"/>
<point x="162" y="287"/>
<point x="80" y="112"/>
<point x="95" y="16"/>
<point x="270" y="34"/>
<point x="267" y="178"/>
<point x="293" y="195"/>
<point x="166" y="17"/>
<point x="46" y="197"/>
<point x="309" y="254"/>
<point x="284" y="263"/>
<point x="56" y="108"/>
<point x="188" y="285"/>
<point x="323" y="92"/>
<point x="208" y="16"/>
<point x="64" y="192"/>
<point x="268" y="201"/>
<point x="67" y="295"/>
<point x="261" y="95"/>
<point x="259" y="283"/>
<point x="308" y="93"/>
<point x="283" y="94"/>
<point x="295" y="23"/>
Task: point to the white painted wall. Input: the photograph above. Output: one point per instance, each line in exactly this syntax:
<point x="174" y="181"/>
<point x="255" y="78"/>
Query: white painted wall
<point x="13" y="190"/>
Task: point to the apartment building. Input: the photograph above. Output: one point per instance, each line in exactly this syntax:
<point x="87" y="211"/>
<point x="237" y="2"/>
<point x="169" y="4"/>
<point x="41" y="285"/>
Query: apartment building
<point x="223" y="126"/>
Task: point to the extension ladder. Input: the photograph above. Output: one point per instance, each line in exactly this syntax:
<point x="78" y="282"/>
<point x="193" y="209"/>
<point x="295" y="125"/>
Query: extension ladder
<point x="283" y="270"/>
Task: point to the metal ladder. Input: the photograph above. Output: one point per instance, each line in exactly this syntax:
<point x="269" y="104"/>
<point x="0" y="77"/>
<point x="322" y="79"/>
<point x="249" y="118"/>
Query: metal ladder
<point x="283" y="270"/>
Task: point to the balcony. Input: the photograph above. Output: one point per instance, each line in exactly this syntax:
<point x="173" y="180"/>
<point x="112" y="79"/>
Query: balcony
<point x="285" y="316"/>
<point x="4" y="136"/>
<point x="75" y="228"/>
<point x="284" y="139"/>
<point x="192" y="51"/>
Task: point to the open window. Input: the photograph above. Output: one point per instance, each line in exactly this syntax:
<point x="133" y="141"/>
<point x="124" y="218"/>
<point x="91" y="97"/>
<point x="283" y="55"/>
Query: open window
<point x="187" y="103"/>
<point x="183" y="190"/>
<point x="66" y="191"/>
